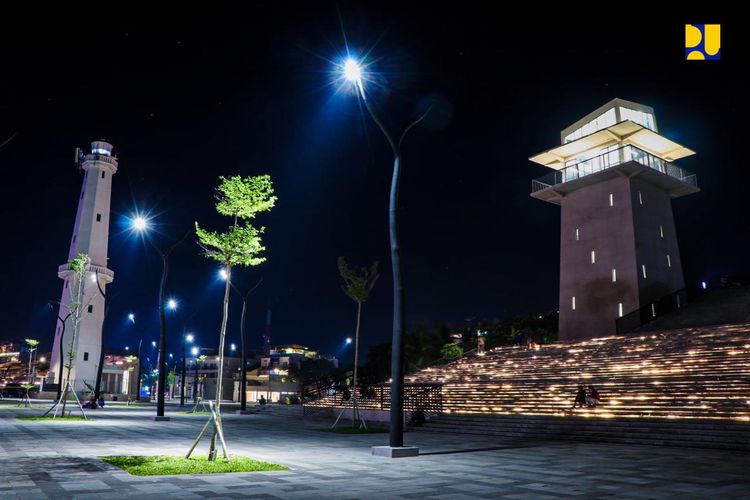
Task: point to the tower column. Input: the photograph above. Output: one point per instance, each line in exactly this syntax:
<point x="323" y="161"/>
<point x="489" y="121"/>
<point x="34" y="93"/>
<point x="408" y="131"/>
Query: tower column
<point x="90" y="236"/>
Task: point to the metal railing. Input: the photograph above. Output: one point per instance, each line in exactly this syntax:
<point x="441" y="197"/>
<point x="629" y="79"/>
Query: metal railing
<point x="608" y="160"/>
<point x="649" y="312"/>
<point x="426" y="397"/>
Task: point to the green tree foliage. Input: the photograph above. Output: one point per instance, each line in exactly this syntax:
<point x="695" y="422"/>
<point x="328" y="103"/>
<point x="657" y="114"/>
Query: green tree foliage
<point x="451" y="351"/>
<point x="358" y="283"/>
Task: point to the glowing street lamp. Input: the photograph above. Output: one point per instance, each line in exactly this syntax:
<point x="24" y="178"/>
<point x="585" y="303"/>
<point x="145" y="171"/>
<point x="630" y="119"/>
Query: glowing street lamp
<point x="190" y="337"/>
<point x="348" y="340"/>
<point x="131" y="318"/>
<point x="194" y="351"/>
<point x="353" y="71"/>
<point x="141" y="225"/>
<point x="172" y="304"/>
<point x="223" y="274"/>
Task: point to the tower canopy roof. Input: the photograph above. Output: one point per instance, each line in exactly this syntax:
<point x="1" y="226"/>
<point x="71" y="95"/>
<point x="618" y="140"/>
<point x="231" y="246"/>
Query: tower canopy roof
<point x="624" y="133"/>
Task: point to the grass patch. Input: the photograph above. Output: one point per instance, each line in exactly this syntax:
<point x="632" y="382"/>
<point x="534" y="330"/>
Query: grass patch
<point x="355" y="430"/>
<point x="14" y="407"/>
<point x="49" y="417"/>
<point x="161" y="465"/>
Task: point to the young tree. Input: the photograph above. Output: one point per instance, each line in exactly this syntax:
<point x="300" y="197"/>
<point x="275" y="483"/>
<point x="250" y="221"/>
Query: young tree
<point x="241" y="198"/>
<point x="32" y="343"/>
<point x="78" y="267"/>
<point x="358" y="284"/>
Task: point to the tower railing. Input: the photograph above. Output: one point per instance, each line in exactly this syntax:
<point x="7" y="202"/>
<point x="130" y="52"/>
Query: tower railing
<point x="608" y="160"/>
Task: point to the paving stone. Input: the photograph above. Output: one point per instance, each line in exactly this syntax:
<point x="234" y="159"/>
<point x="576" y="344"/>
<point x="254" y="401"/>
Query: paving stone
<point x="57" y="460"/>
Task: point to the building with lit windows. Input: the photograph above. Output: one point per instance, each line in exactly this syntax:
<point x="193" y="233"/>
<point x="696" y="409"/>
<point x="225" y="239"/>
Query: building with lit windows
<point x="271" y="377"/>
<point x="613" y="177"/>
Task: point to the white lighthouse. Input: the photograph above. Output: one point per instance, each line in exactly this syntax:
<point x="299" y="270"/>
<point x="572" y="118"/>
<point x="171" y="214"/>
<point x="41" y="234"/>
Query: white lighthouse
<point x="90" y="236"/>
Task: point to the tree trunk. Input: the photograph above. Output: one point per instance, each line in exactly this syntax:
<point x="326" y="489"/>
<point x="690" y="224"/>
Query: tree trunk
<point x="220" y="372"/>
<point x="100" y="368"/>
<point x="397" y="357"/>
<point x="355" y="410"/>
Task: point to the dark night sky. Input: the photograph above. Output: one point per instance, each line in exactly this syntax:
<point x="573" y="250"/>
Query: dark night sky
<point x="189" y="94"/>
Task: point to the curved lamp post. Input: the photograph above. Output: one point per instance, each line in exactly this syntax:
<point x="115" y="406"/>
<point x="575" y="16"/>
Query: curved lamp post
<point x="140" y="224"/>
<point x="352" y="71"/>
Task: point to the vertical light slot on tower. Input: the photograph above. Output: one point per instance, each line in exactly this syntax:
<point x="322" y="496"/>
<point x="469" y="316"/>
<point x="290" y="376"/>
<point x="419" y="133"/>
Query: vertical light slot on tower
<point x="640" y="198"/>
<point x="619" y="309"/>
<point x="614" y="275"/>
<point x="643" y="269"/>
<point x="573" y="303"/>
<point x="593" y="256"/>
<point x="661" y="231"/>
<point x="669" y="261"/>
<point x="611" y="200"/>
<point x="577" y="235"/>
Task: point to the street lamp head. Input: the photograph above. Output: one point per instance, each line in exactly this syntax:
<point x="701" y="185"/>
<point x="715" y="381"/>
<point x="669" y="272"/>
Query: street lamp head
<point x="352" y="70"/>
<point x="194" y="351"/>
<point x="233" y="347"/>
<point x="153" y="343"/>
<point x="170" y="355"/>
<point x="189" y="338"/>
<point x="348" y="340"/>
<point x="172" y="304"/>
<point x="127" y="348"/>
<point x="223" y="274"/>
<point x="139" y="223"/>
<point x="131" y="317"/>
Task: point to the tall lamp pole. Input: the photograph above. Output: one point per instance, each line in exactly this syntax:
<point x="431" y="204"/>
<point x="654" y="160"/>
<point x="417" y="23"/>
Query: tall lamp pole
<point x="353" y="72"/>
<point x="140" y="224"/>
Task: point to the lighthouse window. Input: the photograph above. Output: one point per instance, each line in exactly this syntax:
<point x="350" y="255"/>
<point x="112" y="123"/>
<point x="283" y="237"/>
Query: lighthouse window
<point x="102" y="174"/>
<point x="98" y="217"/>
<point x="85" y="356"/>
<point x="91" y="308"/>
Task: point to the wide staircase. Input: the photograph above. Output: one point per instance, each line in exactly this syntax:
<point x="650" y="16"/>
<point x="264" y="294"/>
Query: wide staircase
<point x="686" y="387"/>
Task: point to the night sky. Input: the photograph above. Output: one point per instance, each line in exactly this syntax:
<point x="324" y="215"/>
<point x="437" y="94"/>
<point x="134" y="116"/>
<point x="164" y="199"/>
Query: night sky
<point x="187" y="94"/>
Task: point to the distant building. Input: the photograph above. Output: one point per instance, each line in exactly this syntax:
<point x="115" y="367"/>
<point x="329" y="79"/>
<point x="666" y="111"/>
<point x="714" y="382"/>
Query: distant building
<point x="614" y="180"/>
<point x="202" y="378"/>
<point x="271" y="378"/>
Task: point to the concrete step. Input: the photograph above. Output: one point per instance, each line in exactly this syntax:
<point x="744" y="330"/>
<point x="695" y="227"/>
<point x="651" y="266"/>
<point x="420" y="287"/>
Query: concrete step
<point x="718" y="434"/>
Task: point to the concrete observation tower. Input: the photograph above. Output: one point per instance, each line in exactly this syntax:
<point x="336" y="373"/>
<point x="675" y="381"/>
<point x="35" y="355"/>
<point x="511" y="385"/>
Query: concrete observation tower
<point x="90" y="236"/>
<point x="614" y="178"/>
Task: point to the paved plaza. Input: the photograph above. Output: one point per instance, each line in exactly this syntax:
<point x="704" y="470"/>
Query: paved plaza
<point x="41" y="459"/>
